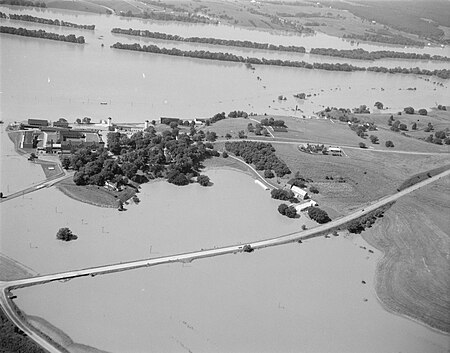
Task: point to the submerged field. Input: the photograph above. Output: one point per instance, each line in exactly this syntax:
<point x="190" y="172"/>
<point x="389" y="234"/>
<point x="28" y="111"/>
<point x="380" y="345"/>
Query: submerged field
<point x="412" y="277"/>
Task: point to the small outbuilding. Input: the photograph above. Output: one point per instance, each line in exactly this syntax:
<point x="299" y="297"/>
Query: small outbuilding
<point x="305" y="205"/>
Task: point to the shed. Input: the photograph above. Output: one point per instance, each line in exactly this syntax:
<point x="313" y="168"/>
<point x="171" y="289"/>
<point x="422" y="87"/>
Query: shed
<point x="305" y="205"/>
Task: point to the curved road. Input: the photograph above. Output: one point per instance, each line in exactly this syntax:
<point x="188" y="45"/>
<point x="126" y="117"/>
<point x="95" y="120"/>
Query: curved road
<point x="6" y="287"/>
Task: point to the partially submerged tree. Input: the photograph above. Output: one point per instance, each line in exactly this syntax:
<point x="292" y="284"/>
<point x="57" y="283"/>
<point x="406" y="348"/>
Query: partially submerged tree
<point x="65" y="234"/>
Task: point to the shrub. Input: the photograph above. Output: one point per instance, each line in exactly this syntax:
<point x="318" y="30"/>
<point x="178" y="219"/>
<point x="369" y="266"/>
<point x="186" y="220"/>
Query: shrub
<point x="313" y="190"/>
<point x="409" y="110"/>
<point x="389" y="144"/>
<point x="318" y="215"/>
<point x="423" y="112"/>
<point x="268" y="174"/>
<point x="224" y="154"/>
<point x="203" y="180"/>
<point x="362" y="145"/>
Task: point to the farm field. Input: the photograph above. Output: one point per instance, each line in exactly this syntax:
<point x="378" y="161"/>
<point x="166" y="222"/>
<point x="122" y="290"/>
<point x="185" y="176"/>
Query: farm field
<point x="368" y="175"/>
<point x="331" y="132"/>
<point x="412" y="277"/>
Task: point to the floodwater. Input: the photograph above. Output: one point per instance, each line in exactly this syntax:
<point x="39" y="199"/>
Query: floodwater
<point x="305" y="297"/>
<point x="168" y="220"/>
<point x="58" y="79"/>
<point x="11" y="180"/>
<point x="293" y="298"/>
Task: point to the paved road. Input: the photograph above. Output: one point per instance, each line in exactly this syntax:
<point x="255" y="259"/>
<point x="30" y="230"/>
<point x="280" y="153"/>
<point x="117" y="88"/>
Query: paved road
<point x="46" y="183"/>
<point x="6" y="287"/>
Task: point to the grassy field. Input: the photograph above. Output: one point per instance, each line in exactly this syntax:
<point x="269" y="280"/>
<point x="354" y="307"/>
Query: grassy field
<point x="438" y="118"/>
<point x="368" y="175"/>
<point x="84" y="6"/>
<point x="231" y="126"/>
<point x="336" y="133"/>
<point x="412" y="277"/>
<point x="95" y="195"/>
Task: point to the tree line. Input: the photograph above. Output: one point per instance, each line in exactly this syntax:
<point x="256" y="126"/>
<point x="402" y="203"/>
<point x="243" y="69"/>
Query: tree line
<point x="214" y="41"/>
<point x="166" y="16"/>
<point x="47" y="21"/>
<point x="379" y="38"/>
<point x="260" y="154"/>
<point x="202" y="54"/>
<point x="361" y="54"/>
<point x="23" y="3"/>
<point x="42" y="34"/>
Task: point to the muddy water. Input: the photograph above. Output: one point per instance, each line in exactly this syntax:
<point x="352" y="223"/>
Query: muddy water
<point x="67" y="80"/>
<point x="168" y="220"/>
<point x="16" y="172"/>
<point x="301" y="297"/>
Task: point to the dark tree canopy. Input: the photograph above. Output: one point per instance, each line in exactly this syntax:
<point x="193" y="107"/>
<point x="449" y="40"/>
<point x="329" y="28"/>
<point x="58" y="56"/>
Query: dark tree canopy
<point x="65" y="234"/>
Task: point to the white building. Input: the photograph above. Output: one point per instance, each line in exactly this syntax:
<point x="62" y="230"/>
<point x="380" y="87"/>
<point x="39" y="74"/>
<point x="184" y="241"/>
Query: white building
<point x="304" y="206"/>
<point x="299" y="192"/>
<point x="335" y="151"/>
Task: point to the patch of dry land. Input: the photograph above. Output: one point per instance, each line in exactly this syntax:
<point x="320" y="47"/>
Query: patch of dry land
<point x="59" y="337"/>
<point x="412" y="278"/>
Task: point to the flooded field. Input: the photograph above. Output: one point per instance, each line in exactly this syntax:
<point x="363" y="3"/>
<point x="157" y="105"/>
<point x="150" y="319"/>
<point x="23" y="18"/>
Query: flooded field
<point x="168" y="220"/>
<point x="314" y="297"/>
<point x="306" y="297"/>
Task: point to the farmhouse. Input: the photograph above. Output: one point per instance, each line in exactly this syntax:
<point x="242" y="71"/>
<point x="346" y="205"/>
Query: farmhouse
<point x="335" y="151"/>
<point x="304" y="206"/>
<point x="299" y="193"/>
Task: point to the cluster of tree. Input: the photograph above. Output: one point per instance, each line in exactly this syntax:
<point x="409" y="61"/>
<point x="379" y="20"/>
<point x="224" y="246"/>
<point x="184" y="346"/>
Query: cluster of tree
<point x="298" y="180"/>
<point x="3" y="15"/>
<point x="238" y="114"/>
<point x="311" y="148"/>
<point x="272" y="122"/>
<point x="23" y="3"/>
<point x="441" y="73"/>
<point x="143" y="156"/>
<point x="214" y="41"/>
<point x="261" y="154"/>
<point x="283" y="194"/>
<point x="361" y="110"/>
<point x="166" y="16"/>
<point x="379" y="38"/>
<point x="202" y="54"/>
<point x="42" y="34"/>
<point x="374" y="139"/>
<point x="361" y="54"/>
<point x="361" y="129"/>
<point x="203" y="180"/>
<point x="442" y="107"/>
<point x="397" y="125"/>
<point x="439" y="138"/>
<point x="318" y="215"/>
<point x="288" y="211"/>
<point x="49" y="22"/>
<point x="258" y="129"/>
<point x="360" y="224"/>
<point x="65" y="234"/>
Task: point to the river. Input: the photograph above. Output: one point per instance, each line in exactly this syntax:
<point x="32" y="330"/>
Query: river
<point x="67" y="80"/>
<point x="305" y="297"/>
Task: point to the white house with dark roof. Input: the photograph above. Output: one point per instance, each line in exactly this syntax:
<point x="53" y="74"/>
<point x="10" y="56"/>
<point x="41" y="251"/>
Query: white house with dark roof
<point x="299" y="192"/>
